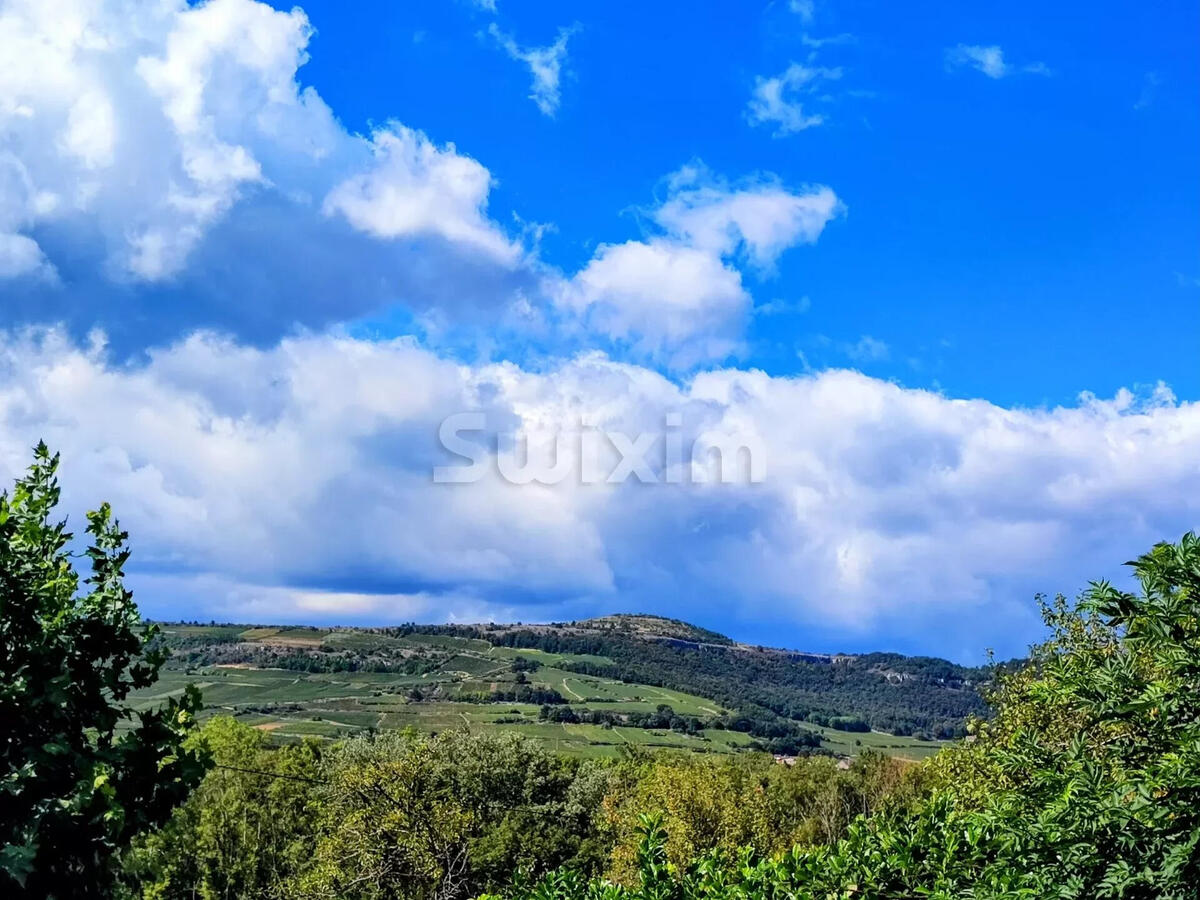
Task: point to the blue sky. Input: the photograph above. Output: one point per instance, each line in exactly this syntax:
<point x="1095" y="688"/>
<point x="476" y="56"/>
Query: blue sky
<point x="937" y="262"/>
<point x="1024" y="220"/>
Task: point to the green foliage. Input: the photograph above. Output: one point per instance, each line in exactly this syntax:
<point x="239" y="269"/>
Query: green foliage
<point x="80" y="773"/>
<point x="1085" y="785"/>
<point x="715" y="803"/>
<point x="397" y="815"/>
<point x="245" y="832"/>
<point x="404" y="815"/>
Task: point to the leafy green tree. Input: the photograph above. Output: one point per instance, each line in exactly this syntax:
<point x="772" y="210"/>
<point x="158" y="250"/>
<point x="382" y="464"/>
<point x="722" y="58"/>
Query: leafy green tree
<point x="245" y="832"/>
<point x="704" y="803"/>
<point x="404" y="815"/>
<point x="1085" y="785"/>
<point x="80" y="772"/>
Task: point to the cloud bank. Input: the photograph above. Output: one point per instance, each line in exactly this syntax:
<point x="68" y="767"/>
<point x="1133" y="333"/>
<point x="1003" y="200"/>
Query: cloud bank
<point x="886" y="514"/>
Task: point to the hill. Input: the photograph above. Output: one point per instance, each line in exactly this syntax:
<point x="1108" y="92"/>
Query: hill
<point x="589" y="687"/>
<point x="647" y="626"/>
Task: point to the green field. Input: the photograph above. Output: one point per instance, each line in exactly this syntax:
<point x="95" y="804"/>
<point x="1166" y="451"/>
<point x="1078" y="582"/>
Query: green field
<point x="547" y="659"/>
<point x="846" y="743"/>
<point x="291" y="704"/>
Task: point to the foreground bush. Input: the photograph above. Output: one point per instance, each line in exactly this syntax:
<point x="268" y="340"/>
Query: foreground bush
<point x="398" y="814"/>
<point x="709" y="803"/>
<point x="241" y="833"/>
<point x="1085" y="785"/>
<point x="404" y="815"/>
<point x="407" y="815"/>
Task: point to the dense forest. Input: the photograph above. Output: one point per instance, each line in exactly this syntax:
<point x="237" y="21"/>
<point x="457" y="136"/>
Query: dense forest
<point x="1083" y="782"/>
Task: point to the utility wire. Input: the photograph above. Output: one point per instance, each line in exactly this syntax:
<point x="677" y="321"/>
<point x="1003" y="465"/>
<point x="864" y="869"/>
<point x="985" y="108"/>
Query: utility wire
<point x="362" y="793"/>
<point x="271" y="774"/>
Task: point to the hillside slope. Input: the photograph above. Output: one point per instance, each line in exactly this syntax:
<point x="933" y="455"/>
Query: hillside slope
<point x="881" y="691"/>
<point x="591" y="687"/>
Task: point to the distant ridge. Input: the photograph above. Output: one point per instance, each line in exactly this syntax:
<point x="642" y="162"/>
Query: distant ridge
<point x="650" y="626"/>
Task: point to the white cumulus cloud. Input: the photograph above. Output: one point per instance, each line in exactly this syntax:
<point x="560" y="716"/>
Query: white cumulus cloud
<point x="667" y="298"/>
<point x="763" y="218"/>
<point x="679" y="296"/>
<point x="417" y="188"/>
<point x="144" y="125"/>
<point x="20" y="255"/>
<point x="163" y="167"/>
